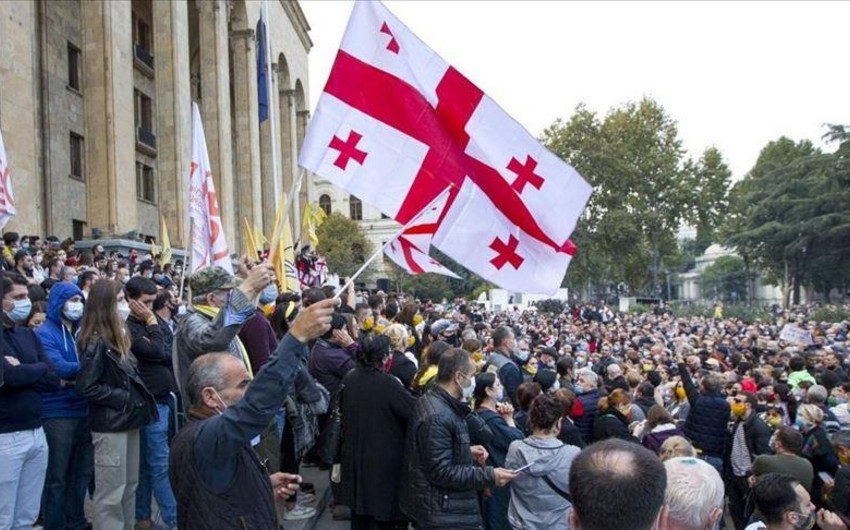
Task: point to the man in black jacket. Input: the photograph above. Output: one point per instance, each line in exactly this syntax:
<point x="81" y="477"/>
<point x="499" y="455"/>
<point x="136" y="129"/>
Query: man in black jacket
<point x="155" y="367"/>
<point x="750" y="438"/>
<point x="706" y="426"/>
<point x="443" y="473"/>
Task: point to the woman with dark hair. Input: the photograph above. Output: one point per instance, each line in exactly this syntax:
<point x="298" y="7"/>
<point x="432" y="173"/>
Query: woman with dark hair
<point x="489" y="395"/>
<point x="428" y="370"/>
<point x="659" y="426"/>
<point x="525" y="394"/>
<point x="612" y="419"/>
<point x="285" y="311"/>
<point x="375" y="410"/>
<point x="539" y="497"/>
<point x="119" y="404"/>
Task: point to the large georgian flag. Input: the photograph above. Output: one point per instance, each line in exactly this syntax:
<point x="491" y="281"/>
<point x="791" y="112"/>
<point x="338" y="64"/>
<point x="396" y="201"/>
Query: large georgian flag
<point x="396" y="125"/>
<point x="7" y="197"/>
<point x="209" y="246"/>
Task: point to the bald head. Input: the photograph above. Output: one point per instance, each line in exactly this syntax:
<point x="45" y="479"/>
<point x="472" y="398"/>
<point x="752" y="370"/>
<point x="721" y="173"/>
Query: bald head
<point x="616" y="484"/>
<point x="216" y="380"/>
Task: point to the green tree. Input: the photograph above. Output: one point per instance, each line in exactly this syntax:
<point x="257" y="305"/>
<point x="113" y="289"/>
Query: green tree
<point x="344" y="246"/>
<point x="725" y="276"/>
<point x="791" y="217"/>
<point x="644" y="189"/>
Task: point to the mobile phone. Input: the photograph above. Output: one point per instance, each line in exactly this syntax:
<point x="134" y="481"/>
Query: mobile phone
<point x="523" y="468"/>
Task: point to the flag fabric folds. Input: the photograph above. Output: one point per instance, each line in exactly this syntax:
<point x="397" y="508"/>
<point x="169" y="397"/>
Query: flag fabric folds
<point x="251" y="242"/>
<point x="262" y="72"/>
<point x="281" y="251"/>
<point x="208" y="243"/>
<point x="313" y="217"/>
<point x="7" y="196"/>
<point x="396" y="126"/>
<point x="165" y="257"/>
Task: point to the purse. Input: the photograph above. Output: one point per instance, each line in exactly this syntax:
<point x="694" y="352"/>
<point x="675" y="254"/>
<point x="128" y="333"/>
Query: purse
<point x="329" y="445"/>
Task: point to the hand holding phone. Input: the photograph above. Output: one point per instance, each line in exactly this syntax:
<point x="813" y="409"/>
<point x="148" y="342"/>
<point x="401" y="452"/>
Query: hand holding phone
<point x="523" y="468"/>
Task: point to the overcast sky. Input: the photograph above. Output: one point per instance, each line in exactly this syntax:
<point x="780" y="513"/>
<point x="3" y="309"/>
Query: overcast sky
<point x="732" y="74"/>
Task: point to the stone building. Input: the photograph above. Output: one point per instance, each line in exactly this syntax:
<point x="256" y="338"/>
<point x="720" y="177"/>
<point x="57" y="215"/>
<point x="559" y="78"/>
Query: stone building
<point x="95" y="111"/>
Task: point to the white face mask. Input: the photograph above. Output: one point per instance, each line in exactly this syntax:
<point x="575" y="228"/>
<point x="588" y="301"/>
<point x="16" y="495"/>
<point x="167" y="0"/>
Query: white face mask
<point x="466" y="391"/>
<point x="223" y="404"/>
<point x="123" y="310"/>
<point x="500" y="394"/>
<point x="556" y="386"/>
<point x="181" y="310"/>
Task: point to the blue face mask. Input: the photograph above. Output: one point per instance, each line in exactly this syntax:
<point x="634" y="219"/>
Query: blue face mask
<point x="269" y="294"/>
<point x="21" y="311"/>
<point x="73" y="311"/>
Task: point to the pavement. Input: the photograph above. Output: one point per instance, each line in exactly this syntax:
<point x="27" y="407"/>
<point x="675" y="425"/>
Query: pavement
<point x="323" y="520"/>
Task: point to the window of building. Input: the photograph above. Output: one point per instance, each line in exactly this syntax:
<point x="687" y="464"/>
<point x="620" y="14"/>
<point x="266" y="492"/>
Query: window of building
<point x="325" y="203"/>
<point x="145" y="185"/>
<point x="384" y="216"/>
<point x="78" y="229"/>
<point x="144" y="111"/>
<point x="355" y="208"/>
<point x="142" y="43"/>
<point x="77" y="154"/>
<point x="74" y="67"/>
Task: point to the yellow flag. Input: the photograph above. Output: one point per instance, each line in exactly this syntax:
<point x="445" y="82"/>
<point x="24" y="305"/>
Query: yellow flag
<point x="314" y="216"/>
<point x="154" y="250"/>
<point x="259" y="239"/>
<point x="250" y="242"/>
<point x="281" y="253"/>
<point x="166" y="243"/>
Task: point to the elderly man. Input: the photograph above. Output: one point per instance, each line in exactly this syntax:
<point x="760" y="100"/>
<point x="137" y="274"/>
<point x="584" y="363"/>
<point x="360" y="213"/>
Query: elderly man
<point x="694" y="495"/>
<point x="615" y="484"/>
<point x="219" y="310"/>
<point x="217" y="477"/>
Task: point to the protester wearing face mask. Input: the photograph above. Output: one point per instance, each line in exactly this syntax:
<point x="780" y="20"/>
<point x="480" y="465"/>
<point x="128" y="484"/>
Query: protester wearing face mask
<point x="750" y="438"/>
<point x="490" y="406"/>
<point x="442" y="473"/>
<point x="71" y="459"/>
<point x="816" y="446"/>
<point x="502" y="363"/>
<point x="28" y="373"/>
<point x="219" y="309"/>
<point x="786" y="443"/>
<point x="218" y="480"/>
<point x="784" y="504"/>
<point x="119" y="405"/>
<point x="839" y="489"/>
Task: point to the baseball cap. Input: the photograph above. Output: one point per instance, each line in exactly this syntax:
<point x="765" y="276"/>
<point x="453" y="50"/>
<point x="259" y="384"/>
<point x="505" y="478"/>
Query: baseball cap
<point x="211" y="279"/>
<point x="443" y="326"/>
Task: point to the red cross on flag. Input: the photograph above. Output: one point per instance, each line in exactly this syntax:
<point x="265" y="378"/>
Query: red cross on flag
<point x="7" y="197"/>
<point x="396" y="125"/>
<point x="208" y="244"/>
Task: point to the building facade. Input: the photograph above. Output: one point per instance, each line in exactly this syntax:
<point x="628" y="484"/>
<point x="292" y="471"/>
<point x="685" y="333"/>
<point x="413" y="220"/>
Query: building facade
<point x="96" y="106"/>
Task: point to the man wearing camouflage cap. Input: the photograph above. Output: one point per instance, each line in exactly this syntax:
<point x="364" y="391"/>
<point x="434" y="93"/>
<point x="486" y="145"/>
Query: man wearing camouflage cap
<point x="220" y="305"/>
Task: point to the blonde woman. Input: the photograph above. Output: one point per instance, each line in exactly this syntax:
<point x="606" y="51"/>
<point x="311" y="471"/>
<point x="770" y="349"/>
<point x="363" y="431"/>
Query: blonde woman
<point x="817" y="448"/>
<point x="400" y="364"/>
<point x="119" y="404"/>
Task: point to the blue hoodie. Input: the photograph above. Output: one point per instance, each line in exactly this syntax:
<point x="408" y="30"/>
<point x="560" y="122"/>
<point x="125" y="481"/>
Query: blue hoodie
<point x="60" y="347"/>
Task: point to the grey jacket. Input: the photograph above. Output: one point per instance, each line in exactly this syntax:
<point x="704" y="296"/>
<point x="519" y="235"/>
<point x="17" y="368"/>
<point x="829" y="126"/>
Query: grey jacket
<point x="197" y="334"/>
<point x="534" y="504"/>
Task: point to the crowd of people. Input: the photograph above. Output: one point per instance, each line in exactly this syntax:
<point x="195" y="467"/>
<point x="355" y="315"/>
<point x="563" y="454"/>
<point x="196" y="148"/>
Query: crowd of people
<point x="431" y="414"/>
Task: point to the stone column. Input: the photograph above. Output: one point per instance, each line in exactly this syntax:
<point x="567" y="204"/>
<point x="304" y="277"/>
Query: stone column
<point x="246" y="125"/>
<point x="288" y="155"/>
<point x="19" y="112"/>
<point x="215" y="107"/>
<point x="174" y="116"/>
<point x="270" y="144"/>
<point x="110" y="145"/>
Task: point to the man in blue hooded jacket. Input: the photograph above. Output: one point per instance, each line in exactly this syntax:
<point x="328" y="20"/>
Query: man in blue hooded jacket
<point x="70" y="461"/>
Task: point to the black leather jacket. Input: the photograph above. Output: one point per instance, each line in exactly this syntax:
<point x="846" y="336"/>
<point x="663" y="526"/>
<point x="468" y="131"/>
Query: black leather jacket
<point x="118" y="399"/>
<point x="441" y="481"/>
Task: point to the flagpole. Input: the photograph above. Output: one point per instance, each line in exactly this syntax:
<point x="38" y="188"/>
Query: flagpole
<point x="272" y="124"/>
<point x="389" y="241"/>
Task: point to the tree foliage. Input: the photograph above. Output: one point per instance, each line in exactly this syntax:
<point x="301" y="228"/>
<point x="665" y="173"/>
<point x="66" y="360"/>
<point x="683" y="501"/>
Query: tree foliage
<point x="644" y="190"/>
<point x="725" y="279"/>
<point x="791" y="215"/>
<point x="344" y="246"/>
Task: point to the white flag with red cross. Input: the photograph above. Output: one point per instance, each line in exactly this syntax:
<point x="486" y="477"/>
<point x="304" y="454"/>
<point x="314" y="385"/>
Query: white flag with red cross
<point x="209" y="246"/>
<point x="396" y="125"/>
<point x="410" y="249"/>
<point x="7" y="197"/>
